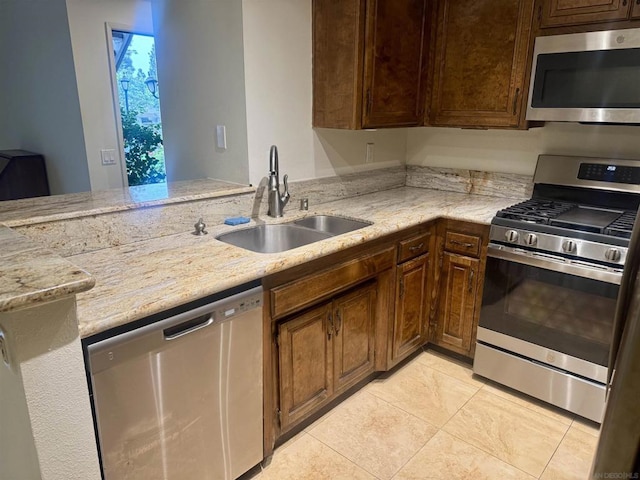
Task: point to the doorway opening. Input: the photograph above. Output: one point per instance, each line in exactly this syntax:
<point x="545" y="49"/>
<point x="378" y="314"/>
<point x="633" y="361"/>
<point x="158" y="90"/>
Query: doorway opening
<point x="136" y="78"/>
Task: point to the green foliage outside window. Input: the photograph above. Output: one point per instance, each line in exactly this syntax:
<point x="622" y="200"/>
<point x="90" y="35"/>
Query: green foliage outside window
<point x="142" y="150"/>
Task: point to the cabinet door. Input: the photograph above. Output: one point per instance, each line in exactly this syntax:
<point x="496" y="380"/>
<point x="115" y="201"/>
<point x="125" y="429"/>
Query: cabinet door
<point x="480" y="63"/>
<point x="305" y="364"/>
<point x="412" y="296"/>
<point x="557" y="13"/>
<point x="458" y="292"/>
<point x="394" y="41"/>
<point x="354" y="336"/>
<point x="338" y="36"/>
<point x="635" y="10"/>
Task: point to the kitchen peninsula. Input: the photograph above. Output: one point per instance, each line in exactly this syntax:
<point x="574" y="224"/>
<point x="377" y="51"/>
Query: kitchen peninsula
<point x="136" y="277"/>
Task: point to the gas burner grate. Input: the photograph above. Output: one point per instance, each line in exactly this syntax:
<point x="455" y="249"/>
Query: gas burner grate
<point x="623" y="225"/>
<point x="535" y="211"/>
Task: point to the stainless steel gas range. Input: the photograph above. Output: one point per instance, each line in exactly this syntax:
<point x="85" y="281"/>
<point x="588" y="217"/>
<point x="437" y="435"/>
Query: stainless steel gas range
<point x="553" y="274"/>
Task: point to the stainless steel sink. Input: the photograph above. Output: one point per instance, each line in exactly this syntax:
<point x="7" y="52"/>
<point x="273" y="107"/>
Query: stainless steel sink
<point x="273" y="238"/>
<point x="331" y="224"/>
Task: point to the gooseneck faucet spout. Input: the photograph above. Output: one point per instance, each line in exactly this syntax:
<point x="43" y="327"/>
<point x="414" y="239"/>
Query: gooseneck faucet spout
<point x="277" y="202"/>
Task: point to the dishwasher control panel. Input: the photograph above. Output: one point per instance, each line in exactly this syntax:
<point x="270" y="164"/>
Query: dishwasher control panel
<point x="235" y="308"/>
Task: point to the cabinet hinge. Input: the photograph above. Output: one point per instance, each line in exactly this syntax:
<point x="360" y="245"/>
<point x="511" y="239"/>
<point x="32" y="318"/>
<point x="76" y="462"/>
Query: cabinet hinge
<point x="279" y="416"/>
<point x="276" y="339"/>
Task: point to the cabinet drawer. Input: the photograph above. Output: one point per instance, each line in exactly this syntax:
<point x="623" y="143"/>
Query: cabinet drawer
<point x="462" y="243"/>
<point x="414" y="246"/>
<point x="294" y="296"/>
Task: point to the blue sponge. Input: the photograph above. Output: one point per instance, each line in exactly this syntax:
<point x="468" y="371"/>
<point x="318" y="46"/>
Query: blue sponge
<point x="236" y="220"/>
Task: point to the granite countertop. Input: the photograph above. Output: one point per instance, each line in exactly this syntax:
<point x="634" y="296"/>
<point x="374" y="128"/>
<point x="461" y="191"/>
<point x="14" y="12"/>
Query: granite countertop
<point x="29" y="211"/>
<point x="140" y="279"/>
<point x="31" y="274"/>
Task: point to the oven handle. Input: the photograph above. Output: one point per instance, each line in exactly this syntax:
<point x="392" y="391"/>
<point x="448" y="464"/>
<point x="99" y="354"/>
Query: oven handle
<point x="511" y="255"/>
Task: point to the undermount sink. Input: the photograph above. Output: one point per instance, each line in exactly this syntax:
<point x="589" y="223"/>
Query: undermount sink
<point x="331" y="224"/>
<point x="286" y="236"/>
<point x="272" y="238"/>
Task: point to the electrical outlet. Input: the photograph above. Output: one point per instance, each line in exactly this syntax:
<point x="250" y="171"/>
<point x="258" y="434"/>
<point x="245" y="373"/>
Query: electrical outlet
<point x="369" y="155"/>
<point x="108" y="156"/>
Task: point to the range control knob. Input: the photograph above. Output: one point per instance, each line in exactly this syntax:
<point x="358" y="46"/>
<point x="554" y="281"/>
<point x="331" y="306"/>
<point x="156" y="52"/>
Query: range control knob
<point x="613" y="255"/>
<point x="531" y="239"/>
<point x="511" y="236"/>
<point x="569" y="246"/>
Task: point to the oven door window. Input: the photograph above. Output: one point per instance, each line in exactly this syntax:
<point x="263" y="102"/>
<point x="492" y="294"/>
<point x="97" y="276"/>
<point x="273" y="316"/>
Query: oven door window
<point x="562" y="312"/>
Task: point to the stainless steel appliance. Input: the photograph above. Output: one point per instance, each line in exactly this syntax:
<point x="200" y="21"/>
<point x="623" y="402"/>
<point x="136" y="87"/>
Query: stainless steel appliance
<point x="181" y="398"/>
<point x="618" y="453"/>
<point x="586" y="77"/>
<point x="553" y="275"/>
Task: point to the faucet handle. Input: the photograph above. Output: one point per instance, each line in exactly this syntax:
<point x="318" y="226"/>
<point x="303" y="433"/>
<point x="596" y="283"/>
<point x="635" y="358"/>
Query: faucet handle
<point x="286" y="196"/>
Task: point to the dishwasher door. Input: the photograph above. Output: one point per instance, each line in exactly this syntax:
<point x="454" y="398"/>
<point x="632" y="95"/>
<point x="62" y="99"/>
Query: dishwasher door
<point x="181" y="399"/>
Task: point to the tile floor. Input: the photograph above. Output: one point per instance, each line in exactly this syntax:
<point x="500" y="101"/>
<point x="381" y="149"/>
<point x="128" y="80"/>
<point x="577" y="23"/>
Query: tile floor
<point x="432" y="419"/>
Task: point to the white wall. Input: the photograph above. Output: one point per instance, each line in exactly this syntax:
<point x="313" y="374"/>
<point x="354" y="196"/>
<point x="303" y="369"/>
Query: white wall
<point x="87" y="19"/>
<point x="55" y="439"/>
<point x="277" y="56"/>
<point x="39" y="93"/>
<point x="517" y="151"/>
<point x="201" y="77"/>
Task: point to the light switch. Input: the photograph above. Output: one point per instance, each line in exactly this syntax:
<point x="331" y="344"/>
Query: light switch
<point x="221" y="134"/>
<point x="108" y="156"/>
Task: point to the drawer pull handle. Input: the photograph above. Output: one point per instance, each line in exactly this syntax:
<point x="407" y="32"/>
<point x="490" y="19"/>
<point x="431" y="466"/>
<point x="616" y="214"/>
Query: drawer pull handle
<point x="330" y="326"/>
<point x="416" y="247"/>
<point x="462" y="244"/>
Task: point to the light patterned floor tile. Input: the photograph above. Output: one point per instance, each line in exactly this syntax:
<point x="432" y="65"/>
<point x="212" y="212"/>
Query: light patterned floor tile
<point x="446" y="457"/>
<point x="450" y="366"/>
<point x="309" y="459"/>
<point x="515" y="434"/>
<point x="424" y="392"/>
<point x="373" y="434"/>
<point x="572" y="460"/>
<point x="586" y="426"/>
<point x="531" y="403"/>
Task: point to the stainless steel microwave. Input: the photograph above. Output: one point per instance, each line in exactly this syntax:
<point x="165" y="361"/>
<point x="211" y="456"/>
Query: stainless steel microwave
<point x="589" y="77"/>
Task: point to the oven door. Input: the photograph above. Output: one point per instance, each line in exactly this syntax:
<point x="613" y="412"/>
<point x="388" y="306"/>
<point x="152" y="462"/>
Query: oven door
<point x="549" y="310"/>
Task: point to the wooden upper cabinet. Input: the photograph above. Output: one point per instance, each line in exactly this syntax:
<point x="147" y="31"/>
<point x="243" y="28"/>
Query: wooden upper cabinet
<point x="480" y="65"/>
<point x="368" y="62"/>
<point x="558" y="13"/>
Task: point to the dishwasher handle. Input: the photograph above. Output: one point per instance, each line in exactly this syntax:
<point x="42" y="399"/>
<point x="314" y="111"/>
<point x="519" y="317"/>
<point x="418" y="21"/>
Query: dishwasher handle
<point x="185" y="328"/>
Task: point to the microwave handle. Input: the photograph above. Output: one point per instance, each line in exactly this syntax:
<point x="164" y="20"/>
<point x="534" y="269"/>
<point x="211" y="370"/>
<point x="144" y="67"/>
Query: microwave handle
<point x="559" y="265"/>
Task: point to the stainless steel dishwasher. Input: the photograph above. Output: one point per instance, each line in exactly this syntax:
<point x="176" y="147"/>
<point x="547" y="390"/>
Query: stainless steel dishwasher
<point x="181" y="398"/>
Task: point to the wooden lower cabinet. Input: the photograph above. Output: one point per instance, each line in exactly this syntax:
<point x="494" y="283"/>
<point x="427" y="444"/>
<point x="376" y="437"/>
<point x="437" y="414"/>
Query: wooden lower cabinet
<point x="458" y="301"/>
<point x="354" y="337"/>
<point x="412" y="307"/>
<point x="324" y="351"/>
<point x="305" y="364"/>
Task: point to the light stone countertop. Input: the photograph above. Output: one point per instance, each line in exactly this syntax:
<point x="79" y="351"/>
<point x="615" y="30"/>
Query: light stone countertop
<point x="31" y="274"/>
<point x="30" y="211"/>
<point x="144" y="278"/>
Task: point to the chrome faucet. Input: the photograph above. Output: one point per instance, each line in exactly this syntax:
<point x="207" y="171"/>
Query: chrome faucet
<point x="276" y="201"/>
